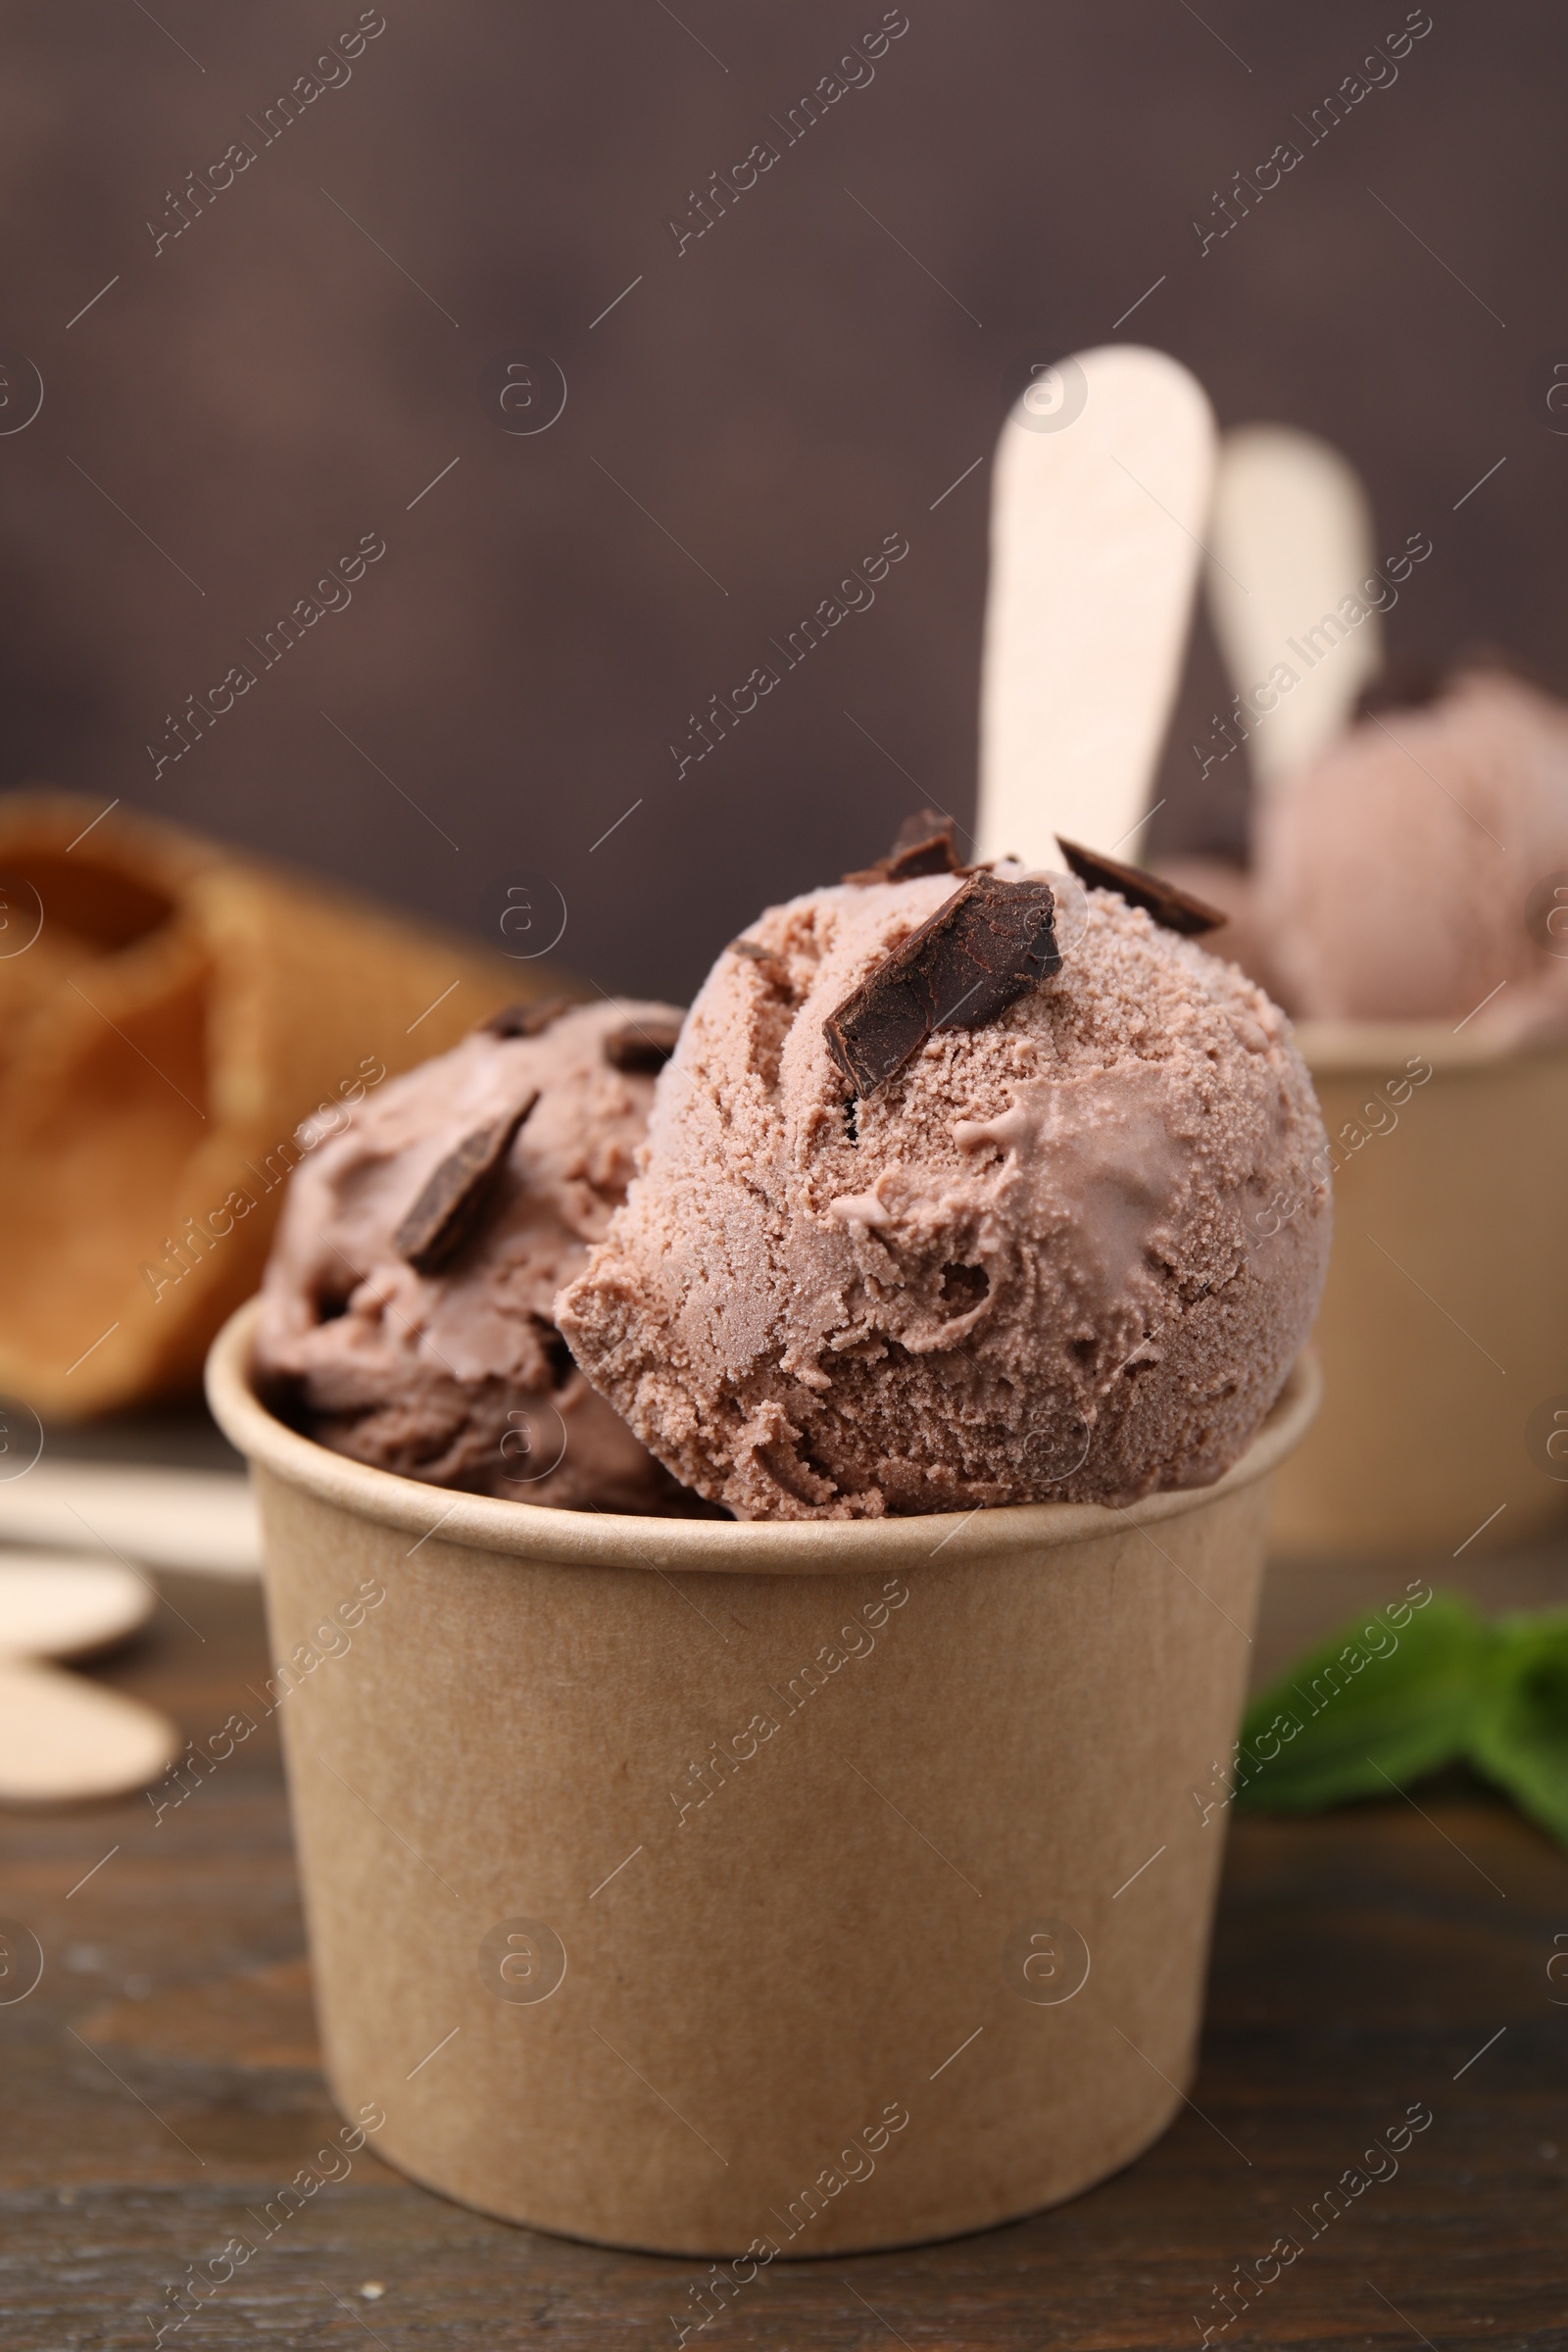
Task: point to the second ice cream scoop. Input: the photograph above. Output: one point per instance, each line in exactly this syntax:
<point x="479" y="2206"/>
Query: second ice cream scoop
<point x="406" y="1307"/>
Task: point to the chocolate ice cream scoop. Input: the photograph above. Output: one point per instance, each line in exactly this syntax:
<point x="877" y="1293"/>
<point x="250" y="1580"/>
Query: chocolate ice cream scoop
<point x="1067" y="1254"/>
<point x="1408" y="872"/>
<point x="406" y="1307"/>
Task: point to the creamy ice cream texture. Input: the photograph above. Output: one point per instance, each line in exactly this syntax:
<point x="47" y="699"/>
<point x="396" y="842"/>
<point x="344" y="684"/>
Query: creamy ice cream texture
<point x="1398" y="876"/>
<point x="1067" y="1255"/>
<point x="407" y="1308"/>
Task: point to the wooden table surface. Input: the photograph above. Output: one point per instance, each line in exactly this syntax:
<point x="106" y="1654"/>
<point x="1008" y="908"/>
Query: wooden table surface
<point x="162" y="2081"/>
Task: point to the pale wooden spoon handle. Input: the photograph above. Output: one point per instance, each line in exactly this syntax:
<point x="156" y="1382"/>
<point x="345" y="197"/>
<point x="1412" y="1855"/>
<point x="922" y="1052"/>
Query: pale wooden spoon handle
<point x="1291" y="553"/>
<point x="66" y="1740"/>
<point x="1098" y="501"/>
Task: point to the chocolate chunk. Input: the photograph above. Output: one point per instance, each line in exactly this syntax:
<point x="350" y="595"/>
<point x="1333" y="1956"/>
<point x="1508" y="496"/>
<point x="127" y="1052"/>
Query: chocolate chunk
<point x="452" y="1206"/>
<point x="924" y="846"/>
<point x="918" y="832"/>
<point x="1177" y="910"/>
<point x="981" y="951"/>
<point x="1496" y="661"/>
<point x="525" y="1020"/>
<point x="1409" y="682"/>
<point x="773" y="966"/>
<point x="642" y="1047"/>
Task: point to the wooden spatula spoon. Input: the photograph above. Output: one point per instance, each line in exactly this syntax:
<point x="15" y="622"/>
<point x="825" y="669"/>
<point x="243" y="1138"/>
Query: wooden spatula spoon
<point x="1100" y="497"/>
<point x="1292" y="522"/>
<point x="56" y="1605"/>
<point x="64" y="1739"/>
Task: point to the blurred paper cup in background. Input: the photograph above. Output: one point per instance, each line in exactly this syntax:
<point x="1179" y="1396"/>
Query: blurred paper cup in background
<point x="170" y="1013"/>
<point x="1445" y="1321"/>
<point x="699" y="1886"/>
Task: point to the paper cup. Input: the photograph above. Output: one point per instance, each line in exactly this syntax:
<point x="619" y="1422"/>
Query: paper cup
<point x="1443" y="1331"/>
<point x="699" y="1887"/>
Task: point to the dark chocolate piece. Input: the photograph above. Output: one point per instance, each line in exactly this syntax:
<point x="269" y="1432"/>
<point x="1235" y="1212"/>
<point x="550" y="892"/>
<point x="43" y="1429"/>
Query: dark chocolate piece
<point x="773" y="970"/>
<point x="981" y="951"/>
<point x="1496" y="661"/>
<point x="641" y="1048"/>
<point x="1176" y="909"/>
<point x="924" y="846"/>
<point x="525" y="1020"/>
<point x="452" y="1206"/>
<point x="1409" y="682"/>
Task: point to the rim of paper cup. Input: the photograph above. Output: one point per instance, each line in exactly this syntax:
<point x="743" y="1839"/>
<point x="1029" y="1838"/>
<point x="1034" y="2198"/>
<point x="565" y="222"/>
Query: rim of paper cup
<point x="526" y="1530"/>
<point x="1336" y="1048"/>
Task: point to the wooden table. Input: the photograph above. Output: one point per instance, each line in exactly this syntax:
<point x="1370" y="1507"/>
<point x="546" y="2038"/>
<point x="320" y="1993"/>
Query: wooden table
<point x="161" y="2084"/>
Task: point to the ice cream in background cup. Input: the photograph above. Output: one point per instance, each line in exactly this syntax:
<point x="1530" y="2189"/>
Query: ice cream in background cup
<point x="1409" y="906"/>
<point x="840" y="1874"/>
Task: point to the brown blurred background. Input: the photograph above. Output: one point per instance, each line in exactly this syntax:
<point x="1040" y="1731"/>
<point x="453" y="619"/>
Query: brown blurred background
<point x="331" y="331"/>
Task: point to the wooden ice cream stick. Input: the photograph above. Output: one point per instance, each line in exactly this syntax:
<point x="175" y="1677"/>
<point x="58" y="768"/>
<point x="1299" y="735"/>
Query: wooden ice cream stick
<point x="1292" y="522"/>
<point x="53" y="1606"/>
<point x="64" y="1739"/>
<point x="201" y="1519"/>
<point x="1099" y="495"/>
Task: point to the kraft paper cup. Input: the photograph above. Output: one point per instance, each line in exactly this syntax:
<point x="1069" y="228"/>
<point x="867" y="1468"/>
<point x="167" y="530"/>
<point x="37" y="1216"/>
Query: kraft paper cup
<point x="1443" y="1331"/>
<point x="698" y="1887"/>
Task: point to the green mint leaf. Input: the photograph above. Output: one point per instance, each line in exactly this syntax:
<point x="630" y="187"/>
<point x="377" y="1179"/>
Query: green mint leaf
<point x="1383" y="1701"/>
<point x="1519" y="1738"/>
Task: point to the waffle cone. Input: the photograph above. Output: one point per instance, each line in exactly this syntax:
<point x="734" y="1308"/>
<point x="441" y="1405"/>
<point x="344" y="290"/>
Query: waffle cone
<point x="180" y="1012"/>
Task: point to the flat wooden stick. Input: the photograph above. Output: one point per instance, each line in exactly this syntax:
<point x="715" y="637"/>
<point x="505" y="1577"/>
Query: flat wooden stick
<point x="64" y="1739"/>
<point x="1099" y="496"/>
<point x="55" y="1606"/>
<point x="204" y="1519"/>
<point x="1292" y="522"/>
